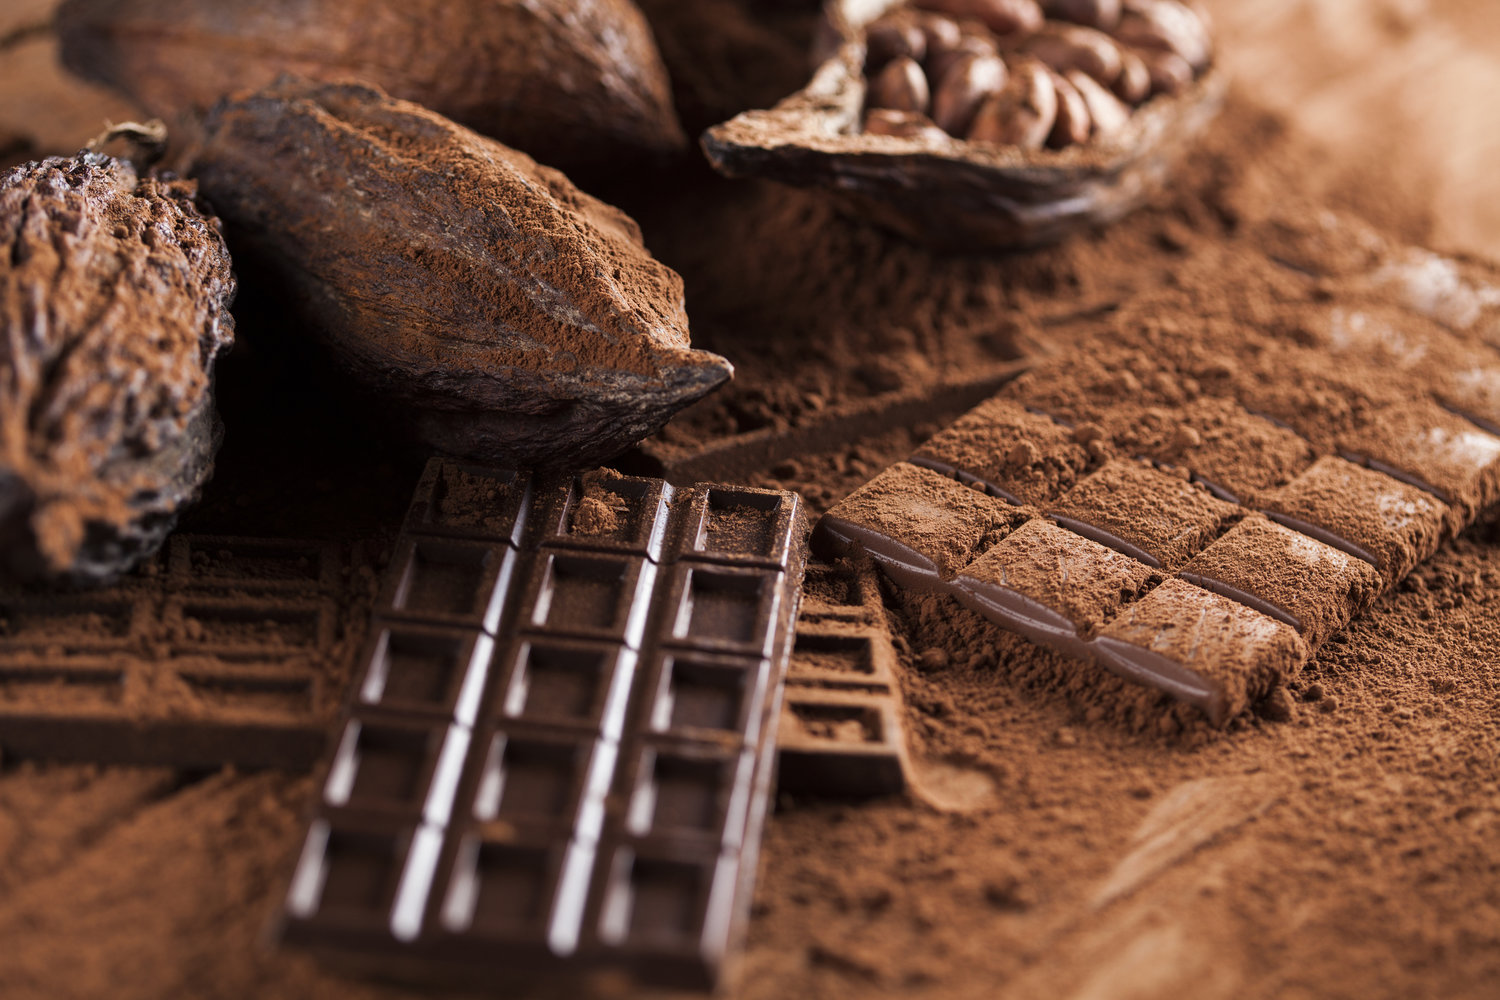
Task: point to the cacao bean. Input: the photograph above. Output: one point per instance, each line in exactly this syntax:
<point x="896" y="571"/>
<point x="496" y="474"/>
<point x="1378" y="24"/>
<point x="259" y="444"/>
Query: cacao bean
<point x="500" y="312"/>
<point x="113" y="309"/>
<point x="1170" y="73"/>
<point x="1105" y="109"/>
<point x="1134" y="82"/>
<point x="965" y="87"/>
<point x="940" y="33"/>
<point x="1101" y="14"/>
<point x="1023" y="113"/>
<point x="1066" y="47"/>
<point x="1003" y="17"/>
<point x="1166" y="26"/>
<point x="941" y="62"/>
<point x="902" y="124"/>
<point x="901" y="86"/>
<point x="893" y="37"/>
<point x="571" y="83"/>
<point x="1073" y="125"/>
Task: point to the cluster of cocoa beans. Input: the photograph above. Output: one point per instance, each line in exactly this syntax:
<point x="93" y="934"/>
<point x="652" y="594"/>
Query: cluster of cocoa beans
<point x="1027" y="73"/>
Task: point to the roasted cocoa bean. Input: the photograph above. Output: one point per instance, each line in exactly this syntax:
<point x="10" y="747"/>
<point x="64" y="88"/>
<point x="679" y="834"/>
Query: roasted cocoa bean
<point x="113" y="308"/>
<point x="571" y="83"/>
<point x="1023" y="113"/>
<point x="1105" y="109"/>
<point x="1166" y="26"/>
<point x="970" y="82"/>
<point x="901" y="86"/>
<point x="940" y="63"/>
<point x="1170" y="73"/>
<point x="493" y="308"/>
<point x="1003" y="17"/>
<point x="902" y="124"/>
<point x="1067" y="47"/>
<point x="1073" y="125"/>
<point x="940" y="33"/>
<point x="1133" y="85"/>
<point x="1101" y="14"/>
<point x="893" y="37"/>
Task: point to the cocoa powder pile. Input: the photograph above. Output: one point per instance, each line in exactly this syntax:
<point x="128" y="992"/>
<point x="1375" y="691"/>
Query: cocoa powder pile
<point x="1068" y="834"/>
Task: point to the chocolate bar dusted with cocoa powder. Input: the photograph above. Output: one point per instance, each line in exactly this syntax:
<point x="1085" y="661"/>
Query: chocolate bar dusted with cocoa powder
<point x="219" y="651"/>
<point x="558" y="754"/>
<point x="1198" y="527"/>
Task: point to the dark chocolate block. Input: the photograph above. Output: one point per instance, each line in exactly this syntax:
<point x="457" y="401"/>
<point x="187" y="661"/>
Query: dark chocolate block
<point x="225" y="650"/>
<point x="557" y="759"/>
<point x="1210" y="566"/>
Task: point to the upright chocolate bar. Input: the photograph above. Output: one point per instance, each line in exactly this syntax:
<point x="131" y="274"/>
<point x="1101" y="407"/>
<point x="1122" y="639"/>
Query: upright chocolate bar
<point x="1201" y="528"/>
<point x="841" y="729"/>
<point x="223" y="650"/>
<point x="557" y="756"/>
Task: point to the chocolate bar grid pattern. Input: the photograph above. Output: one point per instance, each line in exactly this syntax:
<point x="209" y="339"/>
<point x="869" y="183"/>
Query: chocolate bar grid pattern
<point x="221" y="650"/>
<point x="841" y="732"/>
<point x="1164" y="595"/>
<point x="558" y="755"/>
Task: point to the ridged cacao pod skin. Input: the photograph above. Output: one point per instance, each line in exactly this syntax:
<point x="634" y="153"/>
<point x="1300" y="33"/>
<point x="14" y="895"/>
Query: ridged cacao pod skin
<point x="496" y="310"/>
<point x="572" y="82"/>
<point x="113" y="309"/>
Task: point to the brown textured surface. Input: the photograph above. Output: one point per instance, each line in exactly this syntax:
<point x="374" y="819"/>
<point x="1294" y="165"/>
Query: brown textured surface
<point x="570" y="83"/>
<point x="1338" y="843"/>
<point x="474" y="261"/>
<point x="114" y="306"/>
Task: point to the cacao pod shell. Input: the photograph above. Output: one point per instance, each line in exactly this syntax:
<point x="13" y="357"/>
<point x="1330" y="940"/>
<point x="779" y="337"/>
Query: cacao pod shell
<point x="504" y="314"/>
<point x="572" y="82"/>
<point x="112" y="312"/>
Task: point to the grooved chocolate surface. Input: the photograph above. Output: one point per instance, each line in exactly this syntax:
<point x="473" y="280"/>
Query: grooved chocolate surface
<point x="222" y="650"/>
<point x="558" y="754"/>
<point x="841" y="734"/>
<point x="1205" y="542"/>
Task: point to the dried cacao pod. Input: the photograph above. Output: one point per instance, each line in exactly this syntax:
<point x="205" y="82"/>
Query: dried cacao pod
<point x="1005" y="189"/>
<point x="500" y="312"/>
<point x="572" y="82"/>
<point x="113" y="308"/>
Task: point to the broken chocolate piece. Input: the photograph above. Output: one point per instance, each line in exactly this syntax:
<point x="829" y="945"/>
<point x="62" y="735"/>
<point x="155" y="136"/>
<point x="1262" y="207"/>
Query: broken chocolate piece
<point x="841" y="734"/>
<point x="558" y="757"/>
<point x="502" y="312"/>
<point x="571" y="84"/>
<point x="1032" y="520"/>
<point x="225" y="651"/>
<point x="114" y="307"/>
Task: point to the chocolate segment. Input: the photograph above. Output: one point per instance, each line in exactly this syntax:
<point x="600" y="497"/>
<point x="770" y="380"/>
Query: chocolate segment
<point x="1367" y="514"/>
<point x="1147" y="514"/>
<point x="557" y="759"/>
<point x="1312" y="586"/>
<point x="224" y="650"/>
<point x="1203" y="648"/>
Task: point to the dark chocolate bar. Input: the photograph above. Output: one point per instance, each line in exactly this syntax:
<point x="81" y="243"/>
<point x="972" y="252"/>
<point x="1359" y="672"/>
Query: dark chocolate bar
<point x="220" y="651"/>
<point x="1205" y="543"/>
<point x="558" y="753"/>
<point x="841" y="727"/>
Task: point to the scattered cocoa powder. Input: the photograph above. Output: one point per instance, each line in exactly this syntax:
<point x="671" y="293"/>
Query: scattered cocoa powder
<point x="1339" y="842"/>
